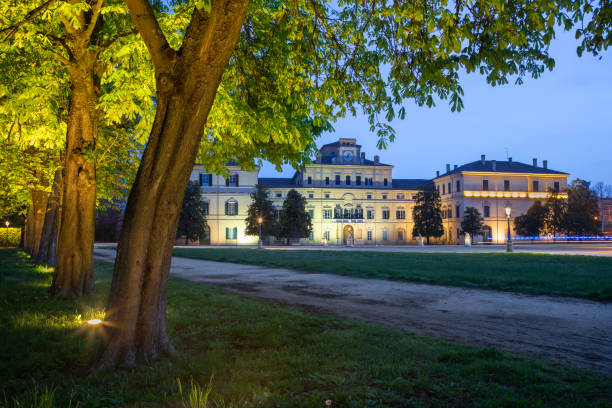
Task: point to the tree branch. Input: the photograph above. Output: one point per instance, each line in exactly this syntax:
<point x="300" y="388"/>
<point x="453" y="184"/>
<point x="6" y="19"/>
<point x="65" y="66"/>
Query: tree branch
<point x="151" y="33"/>
<point x="11" y="30"/>
<point x="94" y="19"/>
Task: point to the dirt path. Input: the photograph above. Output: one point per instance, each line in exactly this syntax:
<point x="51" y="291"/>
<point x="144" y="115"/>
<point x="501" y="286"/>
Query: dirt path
<point x="565" y="330"/>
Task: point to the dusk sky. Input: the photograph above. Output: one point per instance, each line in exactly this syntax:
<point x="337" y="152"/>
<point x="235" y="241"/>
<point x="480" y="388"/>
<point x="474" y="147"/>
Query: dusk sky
<point x="564" y="117"/>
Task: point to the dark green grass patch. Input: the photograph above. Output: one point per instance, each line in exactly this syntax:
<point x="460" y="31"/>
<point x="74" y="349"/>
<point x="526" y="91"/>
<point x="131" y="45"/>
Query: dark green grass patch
<point x="557" y="275"/>
<point x="259" y="354"/>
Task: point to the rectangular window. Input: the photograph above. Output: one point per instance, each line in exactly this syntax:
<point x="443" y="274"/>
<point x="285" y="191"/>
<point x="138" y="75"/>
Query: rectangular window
<point x="348" y="180"/>
<point x="487" y="211"/>
<point x="205" y="206"/>
<point x="327" y="214"/>
<point x="535" y="185"/>
<point x="231" y="208"/>
<point x="337" y="179"/>
<point x="556" y="186"/>
<point x="326" y="235"/>
<point x="385" y="214"/>
<point x="369" y="235"/>
<point x="485" y="185"/>
<point x="311" y="213"/>
<point x="311" y="236"/>
<point x="358" y="180"/>
<point x="400" y="196"/>
<point x="369" y="196"/>
<point x="443" y="188"/>
<point x="205" y="179"/>
<point x="506" y="185"/>
<point x="385" y="182"/>
<point x="368" y="181"/>
<point x="385" y="235"/>
<point x="370" y="214"/>
<point x="327" y="180"/>
<point x="326" y="195"/>
<point x="449" y="187"/>
<point x="400" y="235"/>
<point x="279" y="195"/>
<point x="458" y="185"/>
<point x="277" y="213"/>
<point x="309" y="180"/>
<point x="232" y="181"/>
<point x="400" y="214"/>
<point x="231" y="233"/>
<point x="384" y="196"/>
<point x="457" y="214"/>
<point x="310" y="195"/>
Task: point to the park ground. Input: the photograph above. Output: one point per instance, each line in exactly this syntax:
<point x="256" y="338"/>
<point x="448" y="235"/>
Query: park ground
<point x="259" y="354"/>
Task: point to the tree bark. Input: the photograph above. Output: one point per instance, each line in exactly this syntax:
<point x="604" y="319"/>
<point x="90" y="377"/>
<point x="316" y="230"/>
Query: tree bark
<point x="73" y="275"/>
<point x="48" y="241"/>
<point x="134" y="328"/>
<point x="35" y="219"/>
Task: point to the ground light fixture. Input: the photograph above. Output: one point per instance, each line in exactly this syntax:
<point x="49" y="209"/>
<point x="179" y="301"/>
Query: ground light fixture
<point x="259" y="221"/>
<point x="509" y="238"/>
<point x="94" y="322"/>
<point x="7" y="223"/>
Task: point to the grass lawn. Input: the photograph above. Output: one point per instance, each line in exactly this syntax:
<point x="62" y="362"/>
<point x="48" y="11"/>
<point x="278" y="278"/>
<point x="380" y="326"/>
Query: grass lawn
<point x="558" y="275"/>
<point x="259" y="354"/>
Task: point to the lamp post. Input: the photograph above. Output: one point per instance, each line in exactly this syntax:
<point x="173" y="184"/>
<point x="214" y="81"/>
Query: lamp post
<point x="509" y="239"/>
<point x="259" y="221"/>
<point x="7" y="223"/>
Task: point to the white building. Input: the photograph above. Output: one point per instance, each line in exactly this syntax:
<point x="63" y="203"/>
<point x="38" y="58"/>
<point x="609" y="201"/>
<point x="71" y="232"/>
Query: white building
<point x="351" y="198"/>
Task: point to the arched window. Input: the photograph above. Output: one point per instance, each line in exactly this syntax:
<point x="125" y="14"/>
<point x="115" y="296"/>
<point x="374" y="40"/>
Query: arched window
<point x="231" y="207"/>
<point x="359" y="212"/>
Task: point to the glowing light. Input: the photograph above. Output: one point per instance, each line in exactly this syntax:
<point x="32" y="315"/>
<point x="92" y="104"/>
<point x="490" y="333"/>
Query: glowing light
<point x="477" y="194"/>
<point x="508" y="211"/>
<point x="515" y="195"/>
<point x="94" y="322"/>
<point x="485" y="194"/>
<point x="500" y="195"/>
<point x="507" y="195"/>
<point x="522" y="195"/>
<point x="7" y="223"/>
<point x="468" y="194"/>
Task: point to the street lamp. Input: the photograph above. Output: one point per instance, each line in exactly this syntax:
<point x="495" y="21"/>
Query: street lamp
<point x="259" y="221"/>
<point x="509" y="240"/>
<point x="7" y="223"/>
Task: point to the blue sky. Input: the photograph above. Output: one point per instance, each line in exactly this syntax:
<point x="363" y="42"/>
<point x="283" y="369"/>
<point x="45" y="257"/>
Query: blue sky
<point x="565" y="117"/>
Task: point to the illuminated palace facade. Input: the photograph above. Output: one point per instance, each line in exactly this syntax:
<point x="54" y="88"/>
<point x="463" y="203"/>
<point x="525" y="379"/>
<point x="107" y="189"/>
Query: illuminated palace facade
<point x="355" y="200"/>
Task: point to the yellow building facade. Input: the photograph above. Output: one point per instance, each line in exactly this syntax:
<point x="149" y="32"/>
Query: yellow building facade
<point x="356" y="201"/>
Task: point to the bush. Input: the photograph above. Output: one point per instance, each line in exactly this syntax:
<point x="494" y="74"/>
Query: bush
<point x="13" y="234"/>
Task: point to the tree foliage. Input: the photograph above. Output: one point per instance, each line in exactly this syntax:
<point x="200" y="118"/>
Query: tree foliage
<point x="427" y="214"/>
<point x="472" y="222"/>
<point x="261" y="206"/>
<point x="581" y="217"/>
<point x="192" y="221"/>
<point x="532" y="223"/>
<point x="294" y="221"/>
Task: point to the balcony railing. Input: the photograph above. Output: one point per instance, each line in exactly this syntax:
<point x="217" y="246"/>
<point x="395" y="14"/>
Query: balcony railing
<point x="511" y="194"/>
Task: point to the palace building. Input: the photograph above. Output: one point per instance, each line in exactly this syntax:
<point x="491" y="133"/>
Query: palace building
<point x="355" y="200"/>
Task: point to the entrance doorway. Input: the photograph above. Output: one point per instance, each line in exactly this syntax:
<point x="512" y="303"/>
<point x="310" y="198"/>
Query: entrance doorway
<point x="348" y="236"/>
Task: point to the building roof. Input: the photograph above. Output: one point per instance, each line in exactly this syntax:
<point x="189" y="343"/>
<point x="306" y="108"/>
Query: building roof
<point x="366" y="162"/>
<point x="410" y="184"/>
<point x="335" y="144"/>
<point x="276" y="182"/>
<point x="502" y="167"/>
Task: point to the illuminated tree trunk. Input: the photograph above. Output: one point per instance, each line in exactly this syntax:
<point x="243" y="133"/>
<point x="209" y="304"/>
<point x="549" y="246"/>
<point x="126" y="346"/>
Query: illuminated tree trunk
<point x="35" y="219"/>
<point x="48" y="241"/>
<point x="135" y="323"/>
<point x="74" y="270"/>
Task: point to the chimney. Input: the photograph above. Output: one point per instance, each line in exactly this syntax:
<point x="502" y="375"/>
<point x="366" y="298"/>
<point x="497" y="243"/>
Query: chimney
<point x="545" y="164"/>
<point x="362" y="158"/>
<point x="510" y="161"/>
<point x="376" y="159"/>
<point x="494" y="165"/>
<point x="447" y="167"/>
<point x="437" y="173"/>
<point x="535" y="162"/>
<point x="482" y="159"/>
<point x="455" y="167"/>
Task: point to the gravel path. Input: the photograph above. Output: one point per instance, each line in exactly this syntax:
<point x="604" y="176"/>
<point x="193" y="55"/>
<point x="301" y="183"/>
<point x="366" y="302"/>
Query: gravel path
<point x="569" y="331"/>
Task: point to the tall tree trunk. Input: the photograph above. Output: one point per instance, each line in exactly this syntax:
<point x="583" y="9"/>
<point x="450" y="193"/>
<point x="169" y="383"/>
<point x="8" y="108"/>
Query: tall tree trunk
<point x="135" y="323"/>
<point x="35" y="219"/>
<point x="74" y="270"/>
<point x="48" y="240"/>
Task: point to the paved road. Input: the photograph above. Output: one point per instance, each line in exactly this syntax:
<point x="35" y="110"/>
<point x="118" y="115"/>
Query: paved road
<point x="565" y="330"/>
